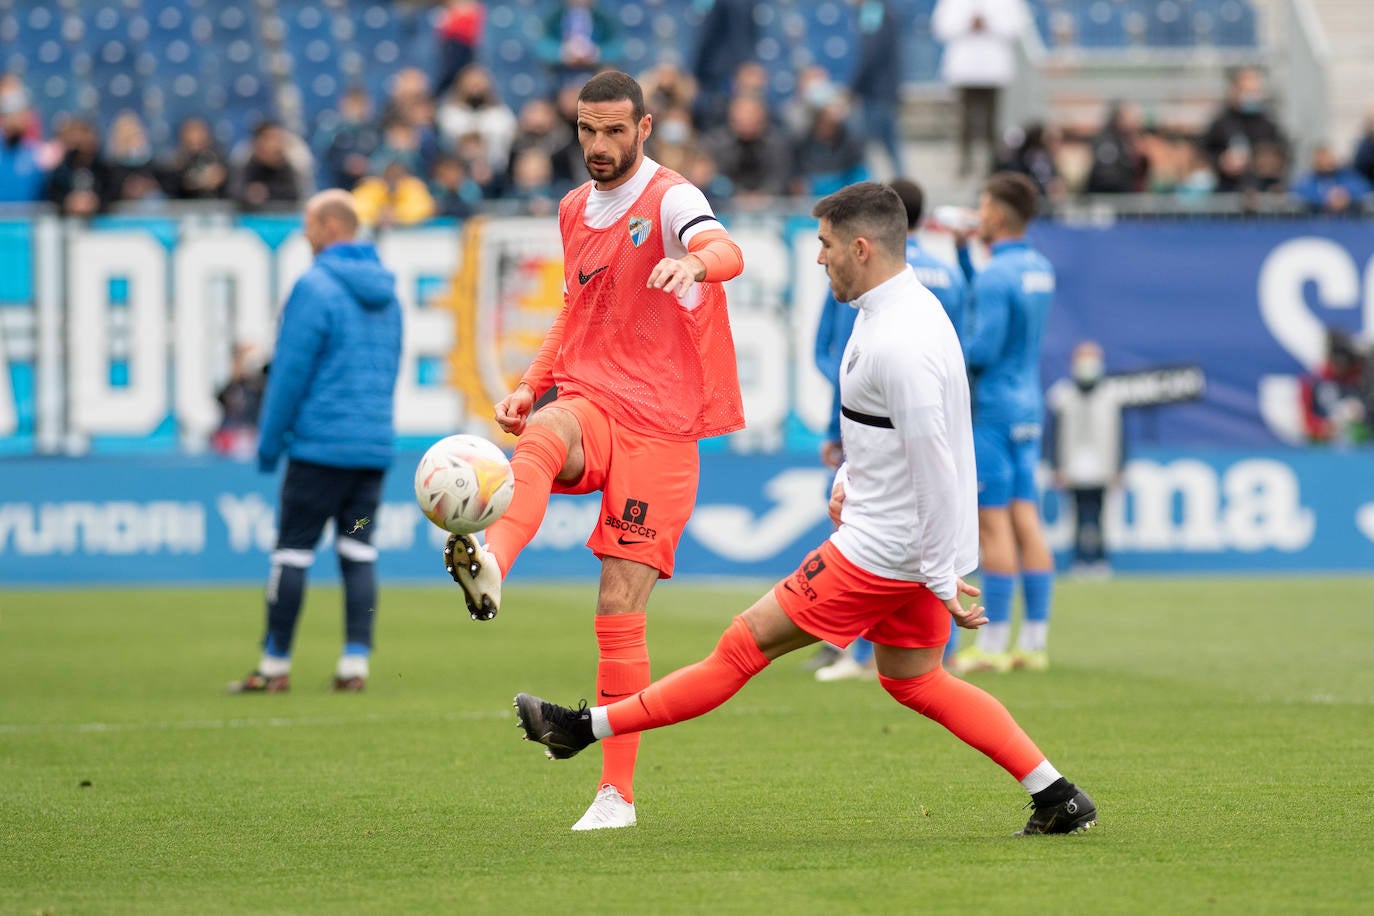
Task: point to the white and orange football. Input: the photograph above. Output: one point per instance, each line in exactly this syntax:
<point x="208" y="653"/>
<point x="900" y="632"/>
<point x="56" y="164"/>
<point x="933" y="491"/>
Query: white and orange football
<point x="464" y="483"/>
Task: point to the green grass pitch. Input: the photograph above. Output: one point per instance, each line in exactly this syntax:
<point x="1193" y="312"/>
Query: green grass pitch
<point x="1224" y="727"/>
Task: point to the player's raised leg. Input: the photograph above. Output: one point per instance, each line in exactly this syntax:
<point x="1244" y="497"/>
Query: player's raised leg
<point x="756" y="637"/>
<point x="549" y="448"/>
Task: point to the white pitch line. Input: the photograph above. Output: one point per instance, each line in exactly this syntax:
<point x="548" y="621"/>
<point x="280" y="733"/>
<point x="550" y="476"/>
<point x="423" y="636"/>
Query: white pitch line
<point x="219" y="724"/>
<point x="97" y="728"/>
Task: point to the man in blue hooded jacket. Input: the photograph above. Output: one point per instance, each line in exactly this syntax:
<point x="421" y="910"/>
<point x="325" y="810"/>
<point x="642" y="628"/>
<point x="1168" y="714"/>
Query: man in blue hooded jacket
<point x="328" y="408"/>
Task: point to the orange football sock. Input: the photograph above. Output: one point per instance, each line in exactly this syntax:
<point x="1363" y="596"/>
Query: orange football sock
<point x="692" y="691"/>
<point x="539" y="456"/>
<point x="975" y="717"/>
<point x="621" y="671"/>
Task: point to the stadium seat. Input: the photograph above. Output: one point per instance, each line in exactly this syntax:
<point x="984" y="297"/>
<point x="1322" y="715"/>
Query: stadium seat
<point x="1101" y="24"/>
<point x="174" y="58"/>
<point x="312" y="62"/>
<point x="1235" y="25"/>
<point x="1168" y="25"/>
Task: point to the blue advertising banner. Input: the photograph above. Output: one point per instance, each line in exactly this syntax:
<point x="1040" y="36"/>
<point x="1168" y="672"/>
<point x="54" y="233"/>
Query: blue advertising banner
<point x="116" y="336"/>
<point x="178" y="519"/>
<point x="1247" y="302"/>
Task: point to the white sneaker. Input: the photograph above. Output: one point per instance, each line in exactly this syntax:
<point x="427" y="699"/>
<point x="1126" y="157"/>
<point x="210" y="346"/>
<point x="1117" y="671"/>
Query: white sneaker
<point x="475" y="570"/>
<point x="846" y="669"/>
<point x="608" y="810"/>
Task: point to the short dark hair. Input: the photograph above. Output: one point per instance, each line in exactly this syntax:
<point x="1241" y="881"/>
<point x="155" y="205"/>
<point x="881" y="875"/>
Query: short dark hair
<point x="614" y="86"/>
<point x="913" y="199"/>
<point x="867" y="209"/>
<point x="1016" y="192"/>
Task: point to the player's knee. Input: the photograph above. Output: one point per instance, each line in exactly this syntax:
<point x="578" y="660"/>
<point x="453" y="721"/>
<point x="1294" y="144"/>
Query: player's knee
<point x="915" y="693"/>
<point x="558" y="420"/>
<point x="739" y="647"/>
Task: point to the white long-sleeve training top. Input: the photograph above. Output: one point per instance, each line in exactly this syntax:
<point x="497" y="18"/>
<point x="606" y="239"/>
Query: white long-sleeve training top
<point x="911" y="488"/>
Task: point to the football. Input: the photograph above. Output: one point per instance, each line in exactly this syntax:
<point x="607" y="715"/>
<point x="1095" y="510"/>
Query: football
<point x="464" y="483"/>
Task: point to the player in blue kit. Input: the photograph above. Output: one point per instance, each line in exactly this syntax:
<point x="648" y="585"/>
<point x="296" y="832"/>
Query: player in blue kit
<point x="1009" y="306"/>
<point x="837" y="321"/>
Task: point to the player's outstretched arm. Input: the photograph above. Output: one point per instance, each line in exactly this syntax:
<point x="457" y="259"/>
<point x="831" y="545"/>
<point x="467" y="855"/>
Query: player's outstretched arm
<point x="712" y="257"/>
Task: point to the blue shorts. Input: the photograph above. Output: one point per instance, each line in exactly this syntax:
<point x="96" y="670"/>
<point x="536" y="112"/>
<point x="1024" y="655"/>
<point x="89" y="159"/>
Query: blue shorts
<point x="1007" y="456"/>
<point x="312" y="495"/>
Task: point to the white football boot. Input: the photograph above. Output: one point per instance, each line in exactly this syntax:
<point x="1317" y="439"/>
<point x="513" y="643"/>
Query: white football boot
<point x="607" y="811"/>
<point x="846" y="669"/>
<point x="475" y="570"/>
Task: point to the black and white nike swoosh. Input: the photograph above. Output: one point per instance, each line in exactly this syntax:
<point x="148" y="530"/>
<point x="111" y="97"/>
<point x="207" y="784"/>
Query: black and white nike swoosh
<point x="586" y="277"/>
<point x="624" y="543"/>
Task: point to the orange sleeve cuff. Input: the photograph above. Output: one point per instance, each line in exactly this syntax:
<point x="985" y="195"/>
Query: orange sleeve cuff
<point x="718" y="253"/>
<point x="539" y="376"/>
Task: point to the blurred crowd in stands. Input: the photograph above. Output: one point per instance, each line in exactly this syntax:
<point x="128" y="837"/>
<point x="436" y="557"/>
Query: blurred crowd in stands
<point x="1241" y="151"/>
<point x="448" y="144"/>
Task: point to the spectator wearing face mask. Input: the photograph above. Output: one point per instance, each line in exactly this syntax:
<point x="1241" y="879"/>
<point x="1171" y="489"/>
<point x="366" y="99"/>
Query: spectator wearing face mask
<point x="132" y="171"/>
<point x="473" y="106"/>
<point x="1240" y="129"/>
<point x="750" y="153"/>
<point x="672" y="142"/>
<point x="82" y="184"/>
<point x="540" y="127"/>
<point x="1088" y="450"/>
<point x="877" y="80"/>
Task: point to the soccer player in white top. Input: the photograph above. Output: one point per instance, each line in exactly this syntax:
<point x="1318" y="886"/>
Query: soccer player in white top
<point x="905" y="503"/>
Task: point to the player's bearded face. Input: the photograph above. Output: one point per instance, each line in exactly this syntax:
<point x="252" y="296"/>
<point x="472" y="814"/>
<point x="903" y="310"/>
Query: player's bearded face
<point x="610" y="162"/>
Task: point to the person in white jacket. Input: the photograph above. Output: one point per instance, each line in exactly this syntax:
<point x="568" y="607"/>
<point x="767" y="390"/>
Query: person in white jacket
<point x="905" y="504"/>
<point x="979" y="62"/>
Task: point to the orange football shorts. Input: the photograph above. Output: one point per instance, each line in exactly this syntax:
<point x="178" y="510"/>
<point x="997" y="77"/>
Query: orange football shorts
<point x="831" y="598"/>
<point x="648" y="487"/>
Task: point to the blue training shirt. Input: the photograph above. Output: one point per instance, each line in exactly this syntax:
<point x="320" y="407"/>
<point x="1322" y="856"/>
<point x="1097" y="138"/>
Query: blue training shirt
<point x="943" y="280"/>
<point x="1010" y="304"/>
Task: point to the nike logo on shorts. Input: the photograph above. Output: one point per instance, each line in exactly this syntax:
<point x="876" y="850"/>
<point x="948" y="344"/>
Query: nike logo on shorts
<point x="624" y="543"/>
<point x="586" y="277"/>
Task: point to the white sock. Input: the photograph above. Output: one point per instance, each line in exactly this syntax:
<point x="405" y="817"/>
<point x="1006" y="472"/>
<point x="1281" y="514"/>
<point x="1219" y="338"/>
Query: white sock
<point x="994" y="637"/>
<point x="1042" y="777"/>
<point x="271" y="666"/>
<point x="487" y="547"/>
<point x="1033" y="636"/>
<point x="351" y="666"/>
<point x="601" y="723"/>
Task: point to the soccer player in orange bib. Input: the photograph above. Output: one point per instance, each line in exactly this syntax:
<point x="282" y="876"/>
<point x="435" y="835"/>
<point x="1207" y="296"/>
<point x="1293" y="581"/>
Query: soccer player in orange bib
<point x="905" y="502"/>
<point x="644" y="363"/>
